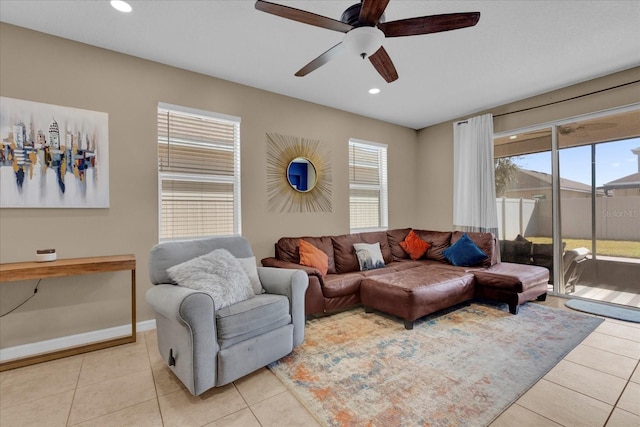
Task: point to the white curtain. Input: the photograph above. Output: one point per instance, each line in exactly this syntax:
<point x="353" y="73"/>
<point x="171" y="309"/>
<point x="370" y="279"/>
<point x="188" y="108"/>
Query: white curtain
<point x="474" y="191"/>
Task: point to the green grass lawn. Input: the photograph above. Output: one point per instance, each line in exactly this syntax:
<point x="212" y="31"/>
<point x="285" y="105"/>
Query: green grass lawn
<point x="621" y="248"/>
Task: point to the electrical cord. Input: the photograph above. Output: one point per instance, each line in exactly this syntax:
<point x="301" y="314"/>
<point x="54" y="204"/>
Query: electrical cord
<point x="35" y="291"/>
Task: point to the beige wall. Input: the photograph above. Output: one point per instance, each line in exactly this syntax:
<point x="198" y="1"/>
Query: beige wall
<point x="42" y="68"/>
<point x="435" y="150"/>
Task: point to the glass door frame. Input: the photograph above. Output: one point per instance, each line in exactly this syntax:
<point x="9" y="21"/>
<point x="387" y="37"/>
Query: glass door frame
<point x="558" y="268"/>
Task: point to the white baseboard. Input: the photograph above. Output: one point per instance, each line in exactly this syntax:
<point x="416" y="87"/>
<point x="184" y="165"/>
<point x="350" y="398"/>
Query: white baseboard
<point x="61" y="343"/>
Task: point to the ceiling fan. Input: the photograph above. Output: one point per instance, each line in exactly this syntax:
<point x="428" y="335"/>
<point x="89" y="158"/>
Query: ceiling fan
<point x="583" y="129"/>
<point x="365" y="29"/>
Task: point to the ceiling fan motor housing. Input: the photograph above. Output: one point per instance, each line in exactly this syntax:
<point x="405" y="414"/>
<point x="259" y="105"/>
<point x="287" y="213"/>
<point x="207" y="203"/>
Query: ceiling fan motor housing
<point x="351" y="16"/>
<point x="363" y="41"/>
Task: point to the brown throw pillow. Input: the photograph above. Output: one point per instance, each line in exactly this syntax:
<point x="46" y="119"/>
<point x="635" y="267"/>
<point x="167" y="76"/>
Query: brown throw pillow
<point x="414" y="245"/>
<point x="313" y="257"/>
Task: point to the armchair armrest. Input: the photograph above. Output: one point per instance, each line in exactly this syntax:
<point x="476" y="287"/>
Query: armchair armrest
<point x="293" y="284"/>
<point x="185" y="321"/>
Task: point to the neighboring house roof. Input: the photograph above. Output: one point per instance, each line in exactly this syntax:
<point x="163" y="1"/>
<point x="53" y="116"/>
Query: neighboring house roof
<point x="629" y="181"/>
<point x="545" y="181"/>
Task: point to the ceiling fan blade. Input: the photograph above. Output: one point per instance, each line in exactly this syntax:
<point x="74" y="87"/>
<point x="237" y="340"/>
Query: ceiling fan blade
<point x="382" y="62"/>
<point x="371" y="11"/>
<point x="321" y="60"/>
<point x="302" y="16"/>
<point x="429" y="24"/>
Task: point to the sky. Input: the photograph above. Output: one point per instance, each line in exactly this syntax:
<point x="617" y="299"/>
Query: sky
<point x="614" y="160"/>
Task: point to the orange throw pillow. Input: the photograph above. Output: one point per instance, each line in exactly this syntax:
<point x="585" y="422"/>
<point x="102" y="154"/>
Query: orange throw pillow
<point x="414" y="245"/>
<point x="313" y="257"/>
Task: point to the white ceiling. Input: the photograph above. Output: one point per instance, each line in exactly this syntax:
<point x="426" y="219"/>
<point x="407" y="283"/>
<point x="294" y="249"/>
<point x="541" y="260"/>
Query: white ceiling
<point x="518" y="49"/>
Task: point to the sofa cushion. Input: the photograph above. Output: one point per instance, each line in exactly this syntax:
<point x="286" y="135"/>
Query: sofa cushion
<point x="414" y="245"/>
<point x="464" y="253"/>
<point x="516" y="251"/>
<point x="287" y="249"/>
<point x="251" y="318"/>
<point x="394" y="238"/>
<point x="485" y="241"/>
<point x="542" y="255"/>
<point x="337" y="285"/>
<point x="218" y="274"/>
<point x="543" y="252"/>
<point x="439" y="241"/>
<point x="542" y="249"/>
<point x="313" y="257"/>
<point x="345" y="255"/>
<point x="406" y="264"/>
<point x="369" y="256"/>
<point x="378" y="271"/>
<point x="512" y="277"/>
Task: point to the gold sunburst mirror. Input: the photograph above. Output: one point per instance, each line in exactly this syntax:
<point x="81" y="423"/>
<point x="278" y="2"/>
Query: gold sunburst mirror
<point x="298" y="174"/>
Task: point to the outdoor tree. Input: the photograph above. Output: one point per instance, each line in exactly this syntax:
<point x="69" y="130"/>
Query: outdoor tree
<point x="505" y="171"/>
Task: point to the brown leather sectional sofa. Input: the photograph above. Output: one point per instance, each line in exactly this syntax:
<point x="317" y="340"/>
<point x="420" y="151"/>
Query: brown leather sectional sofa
<point x="408" y="288"/>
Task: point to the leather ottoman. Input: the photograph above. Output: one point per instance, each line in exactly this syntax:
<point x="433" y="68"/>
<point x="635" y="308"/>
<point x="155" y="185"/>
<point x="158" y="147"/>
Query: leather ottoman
<point x="512" y="283"/>
<point x="411" y="294"/>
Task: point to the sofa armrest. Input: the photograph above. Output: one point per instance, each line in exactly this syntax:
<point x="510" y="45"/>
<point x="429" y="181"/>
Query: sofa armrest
<point x="185" y="322"/>
<point x="278" y="263"/>
<point x="293" y="284"/>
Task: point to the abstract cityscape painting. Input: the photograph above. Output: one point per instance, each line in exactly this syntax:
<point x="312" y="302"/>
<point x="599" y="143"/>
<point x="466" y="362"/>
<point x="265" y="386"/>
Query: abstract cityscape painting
<point x="53" y="156"/>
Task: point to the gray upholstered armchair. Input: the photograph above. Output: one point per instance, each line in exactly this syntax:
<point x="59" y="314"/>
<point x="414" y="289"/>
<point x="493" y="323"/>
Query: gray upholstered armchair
<point x="207" y="348"/>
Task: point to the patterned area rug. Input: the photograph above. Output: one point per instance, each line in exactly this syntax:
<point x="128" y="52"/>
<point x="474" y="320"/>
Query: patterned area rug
<point x="462" y="367"/>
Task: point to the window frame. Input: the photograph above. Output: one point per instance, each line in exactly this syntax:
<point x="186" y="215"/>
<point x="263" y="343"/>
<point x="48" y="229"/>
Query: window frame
<point x="383" y="187"/>
<point x="199" y="177"/>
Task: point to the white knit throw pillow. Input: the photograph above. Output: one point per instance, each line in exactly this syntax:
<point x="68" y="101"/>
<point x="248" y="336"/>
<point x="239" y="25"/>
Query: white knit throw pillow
<point x="249" y="265"/>
<point x="217" y="273"/>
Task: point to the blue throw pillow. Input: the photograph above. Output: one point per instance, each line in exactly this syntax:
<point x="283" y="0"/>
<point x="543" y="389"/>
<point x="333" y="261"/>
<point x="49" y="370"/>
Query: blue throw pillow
<point x="464" y="253"/>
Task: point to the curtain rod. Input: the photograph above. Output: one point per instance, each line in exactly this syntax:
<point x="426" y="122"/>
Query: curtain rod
<point x="568" y="99"/>
<point x="562" y="100"/>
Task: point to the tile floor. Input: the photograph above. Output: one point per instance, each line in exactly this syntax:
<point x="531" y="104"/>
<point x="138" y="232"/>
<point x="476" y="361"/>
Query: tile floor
<point x="608" y="293"/>
<point x="597" y="384"/>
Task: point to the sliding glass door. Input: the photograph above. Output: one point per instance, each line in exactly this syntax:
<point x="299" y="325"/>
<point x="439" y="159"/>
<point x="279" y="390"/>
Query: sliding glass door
<point x="579" y="217"/>
<point x="524" y="191"/>
<point x="601" y="228"/>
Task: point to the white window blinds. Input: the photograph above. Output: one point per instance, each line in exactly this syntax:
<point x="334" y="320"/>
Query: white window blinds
<point x="367" y="185"/>
<point x="199" y="173"/>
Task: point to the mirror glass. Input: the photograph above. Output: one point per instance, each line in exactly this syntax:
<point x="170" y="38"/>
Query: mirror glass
<point x="301" y="174"/>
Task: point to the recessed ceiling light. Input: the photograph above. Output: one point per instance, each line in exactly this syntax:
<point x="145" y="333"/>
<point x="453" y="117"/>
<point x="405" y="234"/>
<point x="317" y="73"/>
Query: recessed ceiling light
<point x="374" y="90"/>
<point x="513" y="136"/>
<point x="120" y="5"/>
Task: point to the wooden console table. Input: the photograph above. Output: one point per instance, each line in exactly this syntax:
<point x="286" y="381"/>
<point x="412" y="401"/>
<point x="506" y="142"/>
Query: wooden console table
<point x="12" y="272"/>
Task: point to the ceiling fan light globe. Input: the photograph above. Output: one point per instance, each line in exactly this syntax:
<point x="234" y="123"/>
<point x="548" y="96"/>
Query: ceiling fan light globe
<point x="363" y="41"/>
<point x="121" y="6"/>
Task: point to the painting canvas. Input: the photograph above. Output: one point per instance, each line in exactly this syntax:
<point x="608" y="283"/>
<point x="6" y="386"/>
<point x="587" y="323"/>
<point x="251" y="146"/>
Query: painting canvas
<point x="53" y="156"/>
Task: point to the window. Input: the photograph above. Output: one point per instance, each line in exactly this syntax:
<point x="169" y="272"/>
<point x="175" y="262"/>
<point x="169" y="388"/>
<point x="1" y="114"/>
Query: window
<point x="367" y="185"/>
<point x="199" y="173"/>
